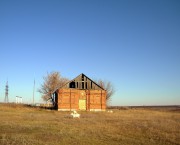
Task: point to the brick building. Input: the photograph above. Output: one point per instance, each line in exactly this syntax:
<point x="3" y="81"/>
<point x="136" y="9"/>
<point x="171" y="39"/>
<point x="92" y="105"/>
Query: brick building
<point x="81" y="93"/>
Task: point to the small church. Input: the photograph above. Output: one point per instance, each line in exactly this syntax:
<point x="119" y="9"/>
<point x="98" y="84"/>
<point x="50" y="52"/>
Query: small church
<point x="81" y="93"/>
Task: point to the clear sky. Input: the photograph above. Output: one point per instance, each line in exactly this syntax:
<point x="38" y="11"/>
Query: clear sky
<point x="135" y="44"/>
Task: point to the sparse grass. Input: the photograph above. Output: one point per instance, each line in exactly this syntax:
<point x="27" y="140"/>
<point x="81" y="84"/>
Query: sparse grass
<point x="24" y="125"/>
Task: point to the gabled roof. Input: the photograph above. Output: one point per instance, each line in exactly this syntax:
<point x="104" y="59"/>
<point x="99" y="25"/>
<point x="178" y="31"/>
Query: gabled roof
<point x="82" y="81"/>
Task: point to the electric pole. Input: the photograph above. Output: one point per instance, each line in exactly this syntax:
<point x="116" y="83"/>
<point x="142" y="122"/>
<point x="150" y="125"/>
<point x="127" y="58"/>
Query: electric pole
<point x="6" y="100"/>
<point x="33" y="91"/>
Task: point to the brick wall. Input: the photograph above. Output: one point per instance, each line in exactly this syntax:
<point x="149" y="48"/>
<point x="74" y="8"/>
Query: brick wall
<point x="68" y="99"/>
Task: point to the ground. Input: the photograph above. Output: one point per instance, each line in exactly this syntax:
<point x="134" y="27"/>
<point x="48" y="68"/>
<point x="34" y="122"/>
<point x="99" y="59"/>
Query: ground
<point x="20" y="124"/>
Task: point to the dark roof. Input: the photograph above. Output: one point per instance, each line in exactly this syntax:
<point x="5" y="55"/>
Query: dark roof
<point x="86" y="77"/>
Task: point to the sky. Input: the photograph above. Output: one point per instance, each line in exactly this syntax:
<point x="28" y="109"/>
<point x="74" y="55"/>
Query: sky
<point x="134" y="44"/>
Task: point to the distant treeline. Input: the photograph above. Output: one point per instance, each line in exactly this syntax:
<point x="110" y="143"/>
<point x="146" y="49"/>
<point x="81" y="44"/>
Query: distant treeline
<point x="164" y="107"/>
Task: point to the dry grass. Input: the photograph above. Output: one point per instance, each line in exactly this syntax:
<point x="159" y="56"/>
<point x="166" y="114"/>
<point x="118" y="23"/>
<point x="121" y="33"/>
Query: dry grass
<point x="25" y="125"/>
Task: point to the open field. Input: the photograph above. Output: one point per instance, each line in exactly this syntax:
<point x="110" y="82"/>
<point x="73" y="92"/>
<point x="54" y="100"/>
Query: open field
<point x="131" y="126"/>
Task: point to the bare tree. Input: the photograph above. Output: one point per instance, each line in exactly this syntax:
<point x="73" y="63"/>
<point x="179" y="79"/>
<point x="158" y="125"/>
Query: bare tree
<point x="107" y="85"/>
<point x="51" y="82"/>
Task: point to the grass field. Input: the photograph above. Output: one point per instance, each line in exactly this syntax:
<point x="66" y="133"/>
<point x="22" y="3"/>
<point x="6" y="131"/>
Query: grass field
<point x="23" y="125"/>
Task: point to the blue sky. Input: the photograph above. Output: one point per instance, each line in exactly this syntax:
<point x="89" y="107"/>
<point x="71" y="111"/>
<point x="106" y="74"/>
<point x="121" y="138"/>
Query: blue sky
<point x="135" y="44"/>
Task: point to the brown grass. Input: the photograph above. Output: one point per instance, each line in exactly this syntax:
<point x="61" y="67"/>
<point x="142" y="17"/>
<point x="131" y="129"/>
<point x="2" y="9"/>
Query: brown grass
<point x="24" y="125"/>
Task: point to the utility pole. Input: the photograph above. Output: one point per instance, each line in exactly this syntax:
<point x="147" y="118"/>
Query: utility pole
<point x="33" y="91"/>
<point x="6" y="100"/>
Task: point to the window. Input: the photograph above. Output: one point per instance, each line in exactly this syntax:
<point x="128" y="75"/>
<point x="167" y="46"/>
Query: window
<point x="72" y="85"/>
<point x="82" y="85"/>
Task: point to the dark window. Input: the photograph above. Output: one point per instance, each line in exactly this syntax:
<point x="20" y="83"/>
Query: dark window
<point x="82" y="85"/>
<point x="72" y="85"/>
<point x="77" y="85"/>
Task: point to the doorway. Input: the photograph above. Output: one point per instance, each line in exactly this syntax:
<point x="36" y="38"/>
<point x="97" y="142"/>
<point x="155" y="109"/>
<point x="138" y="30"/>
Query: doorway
<point x="82" y="104"/>
<point x="82" y="100"/>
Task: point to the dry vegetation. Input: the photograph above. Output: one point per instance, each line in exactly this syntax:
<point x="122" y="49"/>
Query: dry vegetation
<point x="25" y="125"/>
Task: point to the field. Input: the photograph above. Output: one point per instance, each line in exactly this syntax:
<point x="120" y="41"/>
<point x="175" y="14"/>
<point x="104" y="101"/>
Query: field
<point x="23" y="125"/>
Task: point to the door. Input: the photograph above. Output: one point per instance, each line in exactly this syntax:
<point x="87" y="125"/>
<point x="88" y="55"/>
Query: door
<point x="82" y="104"/>
<point x="82" y="100"/>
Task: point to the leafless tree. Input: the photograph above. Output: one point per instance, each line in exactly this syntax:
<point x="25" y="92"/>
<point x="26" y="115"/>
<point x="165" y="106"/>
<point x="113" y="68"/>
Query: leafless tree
<point x="51" y="82"/>
<point x="107" y="85"/>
